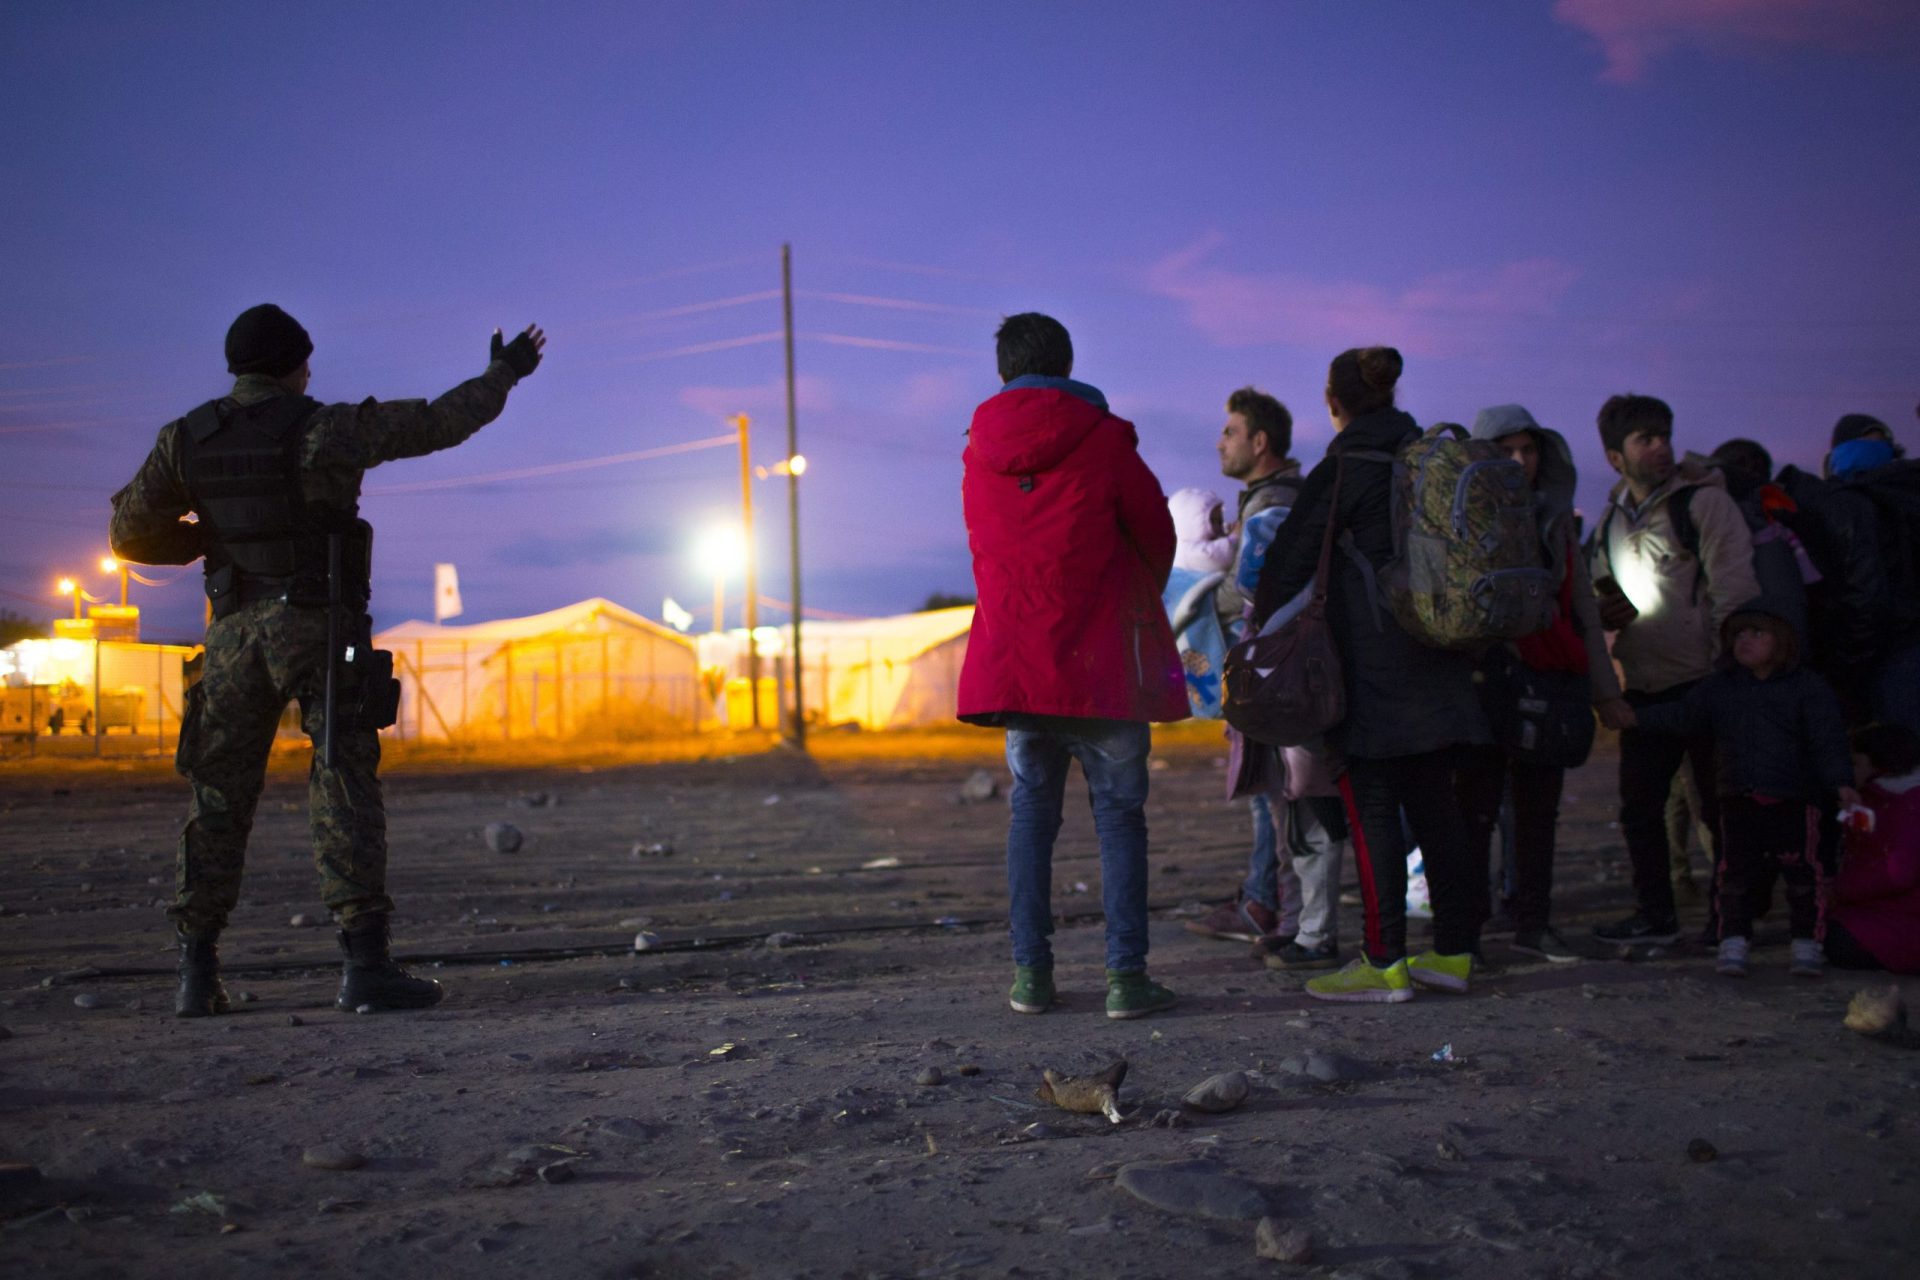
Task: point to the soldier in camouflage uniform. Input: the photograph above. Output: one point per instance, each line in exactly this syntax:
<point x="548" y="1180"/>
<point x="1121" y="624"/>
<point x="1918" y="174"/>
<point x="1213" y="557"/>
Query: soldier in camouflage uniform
<point x="273" y="478"/>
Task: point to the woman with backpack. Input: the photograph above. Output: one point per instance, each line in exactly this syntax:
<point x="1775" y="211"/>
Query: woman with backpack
<point x="1409" y="708"/>
<point x="1560" y="675"/>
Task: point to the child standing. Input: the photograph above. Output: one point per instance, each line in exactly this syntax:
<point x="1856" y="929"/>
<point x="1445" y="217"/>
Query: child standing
<point x="1875" y="921"/>
<point x="1780" y="748"/>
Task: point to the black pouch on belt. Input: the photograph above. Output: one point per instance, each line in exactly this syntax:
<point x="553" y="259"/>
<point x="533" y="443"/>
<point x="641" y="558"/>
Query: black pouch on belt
<point x="376" y="704"/>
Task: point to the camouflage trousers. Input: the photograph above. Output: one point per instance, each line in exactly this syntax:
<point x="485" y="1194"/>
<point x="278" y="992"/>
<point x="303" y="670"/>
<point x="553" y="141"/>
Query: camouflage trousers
<point x="259" y="658"/>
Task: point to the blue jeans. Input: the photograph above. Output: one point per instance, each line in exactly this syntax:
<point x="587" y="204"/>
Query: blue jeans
<point x="1263" y="863"/>
<point x="1113" y="755"/>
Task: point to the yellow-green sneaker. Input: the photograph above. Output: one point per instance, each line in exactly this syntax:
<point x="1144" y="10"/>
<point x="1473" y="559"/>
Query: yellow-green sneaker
<point x="1362" y="983"/>
<point x="1032" y="989"/>
<point x="1442" y="973"/>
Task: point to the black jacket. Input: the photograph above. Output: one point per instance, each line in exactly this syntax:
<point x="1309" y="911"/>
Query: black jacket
<point x="1852" y="607"/>
<point x="1782" y="737"/>
<point x="1403" y="698"/>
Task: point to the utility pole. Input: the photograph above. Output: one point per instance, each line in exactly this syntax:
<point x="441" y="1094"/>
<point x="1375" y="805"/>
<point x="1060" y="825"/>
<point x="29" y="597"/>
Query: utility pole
<point x="793" y="505"/>
<point x="752" y="612"/>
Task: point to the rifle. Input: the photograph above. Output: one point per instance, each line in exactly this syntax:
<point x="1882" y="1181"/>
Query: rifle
<point x="329" y="709"/>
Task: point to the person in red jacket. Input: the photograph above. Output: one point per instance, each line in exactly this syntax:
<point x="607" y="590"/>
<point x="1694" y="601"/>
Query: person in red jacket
<point x="1874" y="919"/>
<point x="1070" y="650"/>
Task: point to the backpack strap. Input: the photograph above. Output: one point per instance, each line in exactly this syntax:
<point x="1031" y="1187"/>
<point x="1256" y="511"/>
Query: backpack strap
<point x="1351" y="549"/>
<point x="1687" y="533"/>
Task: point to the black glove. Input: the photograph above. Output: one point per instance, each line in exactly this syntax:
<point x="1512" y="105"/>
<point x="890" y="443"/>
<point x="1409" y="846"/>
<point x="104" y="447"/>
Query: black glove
<point x="520" y="354"/>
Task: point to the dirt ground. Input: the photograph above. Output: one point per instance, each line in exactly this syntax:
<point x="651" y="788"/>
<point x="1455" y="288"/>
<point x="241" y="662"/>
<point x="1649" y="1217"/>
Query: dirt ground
<point x="815" y="1072"/>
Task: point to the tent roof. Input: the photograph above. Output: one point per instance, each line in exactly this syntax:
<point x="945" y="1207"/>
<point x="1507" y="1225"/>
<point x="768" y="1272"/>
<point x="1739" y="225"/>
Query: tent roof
<point x="593" y="615"/>
<point x="905" y="635"/>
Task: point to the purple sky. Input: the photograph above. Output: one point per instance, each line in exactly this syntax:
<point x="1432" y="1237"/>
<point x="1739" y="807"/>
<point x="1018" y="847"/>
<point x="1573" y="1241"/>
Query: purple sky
<point x="1709" y="200"/>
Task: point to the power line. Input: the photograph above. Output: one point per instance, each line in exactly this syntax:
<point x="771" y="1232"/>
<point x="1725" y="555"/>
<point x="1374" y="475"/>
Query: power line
<point x="895" y="304"/>
<point x="887" y="344"/>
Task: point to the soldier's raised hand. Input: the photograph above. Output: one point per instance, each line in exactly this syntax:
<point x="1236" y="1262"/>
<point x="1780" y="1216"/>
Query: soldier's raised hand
<point x="523" y="353"/>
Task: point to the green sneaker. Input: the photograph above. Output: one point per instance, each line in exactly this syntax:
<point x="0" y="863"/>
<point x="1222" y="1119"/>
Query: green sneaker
<point x="1134" y="995"/>
<point x="1362" y="983"/>
<point x="1442" y="973"/>
<point x="1032" y="989"/>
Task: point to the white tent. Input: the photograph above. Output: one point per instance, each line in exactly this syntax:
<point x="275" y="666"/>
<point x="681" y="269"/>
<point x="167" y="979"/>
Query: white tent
<point x="885" y="673"/>
<point x="592" y="669"/>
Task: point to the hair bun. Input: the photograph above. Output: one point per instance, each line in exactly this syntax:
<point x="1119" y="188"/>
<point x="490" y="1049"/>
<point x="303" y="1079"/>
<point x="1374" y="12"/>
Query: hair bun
<point x="1380" y="367"/>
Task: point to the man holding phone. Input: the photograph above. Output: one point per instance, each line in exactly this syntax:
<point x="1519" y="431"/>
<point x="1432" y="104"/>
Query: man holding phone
<point x="1671" y="562"/>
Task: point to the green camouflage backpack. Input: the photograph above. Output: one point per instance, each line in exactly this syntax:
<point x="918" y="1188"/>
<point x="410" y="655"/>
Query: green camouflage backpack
<point x="1467" y="565"/>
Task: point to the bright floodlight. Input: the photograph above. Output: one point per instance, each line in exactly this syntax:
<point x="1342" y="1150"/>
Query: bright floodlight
<point x="797" y="465"/>
<point x="722" y="550"/>
<point x="66" y="586"/>
<point x="109" y="565"/>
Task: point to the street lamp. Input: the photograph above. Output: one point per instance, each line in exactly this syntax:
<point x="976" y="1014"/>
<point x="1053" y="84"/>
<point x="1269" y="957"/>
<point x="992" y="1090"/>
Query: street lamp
<point x="721" y="551"/>
<point x="794" y="466"/>
<point x="110" y="565"/>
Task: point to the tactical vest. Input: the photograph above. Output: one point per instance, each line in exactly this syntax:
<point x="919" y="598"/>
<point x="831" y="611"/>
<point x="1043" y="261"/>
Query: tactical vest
<point x="243" y="472"/>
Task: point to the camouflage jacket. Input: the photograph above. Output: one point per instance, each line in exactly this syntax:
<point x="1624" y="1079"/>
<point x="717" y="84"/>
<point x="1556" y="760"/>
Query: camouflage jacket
<point x="341" y="442"/>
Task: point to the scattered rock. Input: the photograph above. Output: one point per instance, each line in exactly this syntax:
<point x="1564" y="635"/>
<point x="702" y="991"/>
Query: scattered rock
<point x="652" y="849"/>
<point x="503" y="837"/>
<point x="1167" y="1118"/>
<point x="247" y="997"/>
<point x="968" y="1068"/>
<point x="628" y="1127"/>
<point x="557" y="1172"/>
<point x="1446" y="1149"/>
<point x="339" y="1159"/>
<point x="301" y="920"/>
<point x="86" y="1000"/>
<point x="930" y="1076"/>
<point x="1219" y="1093"/>
<point x="539" y="800"/>
<point x="523" y="1164"/>
<point x="644" y="941"/>
<point x="979" y="786"/>
<point x="776" y="941"/>
<point x="203" y="1202"/>
<point x="339" y="1205"/>
<point x="1194" y="1188"/>
<point x="1293" y="1246"/>
<point x="1326" y="1068"/>
<point x="1700" y="1151"/>
<point x="364" y="1008"/>
<point x="295" y="1020"/>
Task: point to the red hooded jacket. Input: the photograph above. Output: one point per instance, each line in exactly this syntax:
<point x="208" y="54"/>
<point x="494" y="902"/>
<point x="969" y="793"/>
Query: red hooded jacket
<point x="1072" y="544"/>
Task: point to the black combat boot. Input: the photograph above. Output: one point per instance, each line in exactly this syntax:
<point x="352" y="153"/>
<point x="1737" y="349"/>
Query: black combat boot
<point x="200" y="994"/>
<point x="370" y="978"/>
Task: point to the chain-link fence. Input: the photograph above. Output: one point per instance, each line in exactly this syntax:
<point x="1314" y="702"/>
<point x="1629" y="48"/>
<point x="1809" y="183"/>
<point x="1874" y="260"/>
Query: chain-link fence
<point x="92" y="698"/>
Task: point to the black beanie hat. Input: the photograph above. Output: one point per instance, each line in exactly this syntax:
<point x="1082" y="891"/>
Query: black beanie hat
<point x="1853" y="426"/>
<point x="267" y="340"/>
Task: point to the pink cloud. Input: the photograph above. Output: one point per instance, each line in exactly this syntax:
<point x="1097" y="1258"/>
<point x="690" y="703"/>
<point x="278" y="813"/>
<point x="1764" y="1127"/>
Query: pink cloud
<point x="1633" y="33"/>
<point x="1448" y="313"/>
<point x="813" y="393"/>
<point x="945" y="390"/>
